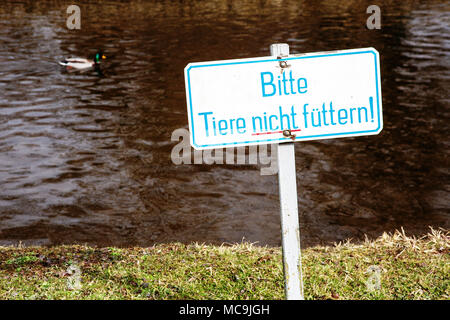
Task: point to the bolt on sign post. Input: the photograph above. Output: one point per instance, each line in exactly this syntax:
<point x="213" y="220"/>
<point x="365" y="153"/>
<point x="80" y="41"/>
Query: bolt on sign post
<point x="284" y="99"/>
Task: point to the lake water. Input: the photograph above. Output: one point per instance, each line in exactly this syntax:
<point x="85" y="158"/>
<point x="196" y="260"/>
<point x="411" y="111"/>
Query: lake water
<point x="85" y="157"/>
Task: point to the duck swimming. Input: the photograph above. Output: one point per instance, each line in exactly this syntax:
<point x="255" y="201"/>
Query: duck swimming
<point x="83" y="63"/>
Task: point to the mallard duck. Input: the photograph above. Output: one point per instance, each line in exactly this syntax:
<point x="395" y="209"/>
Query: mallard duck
<point x="83" y="63"/>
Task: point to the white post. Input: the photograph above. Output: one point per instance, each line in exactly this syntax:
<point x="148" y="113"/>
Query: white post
<point x="290" y="234"/>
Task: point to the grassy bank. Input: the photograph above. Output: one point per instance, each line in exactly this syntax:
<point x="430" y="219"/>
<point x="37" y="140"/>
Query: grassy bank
<point x="408" y="268"/>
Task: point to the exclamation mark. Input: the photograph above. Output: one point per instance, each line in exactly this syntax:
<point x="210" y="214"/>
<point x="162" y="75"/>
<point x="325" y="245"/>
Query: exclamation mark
<point x="371" y="108"/>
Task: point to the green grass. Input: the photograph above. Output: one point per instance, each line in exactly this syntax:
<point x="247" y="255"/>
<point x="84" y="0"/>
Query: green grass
<point x="408" y="268"/>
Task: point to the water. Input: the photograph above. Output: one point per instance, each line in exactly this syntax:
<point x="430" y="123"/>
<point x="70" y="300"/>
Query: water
<point x="85" y="157"/>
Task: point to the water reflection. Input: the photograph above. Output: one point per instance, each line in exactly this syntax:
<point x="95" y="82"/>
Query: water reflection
<point x="86" y="158"/>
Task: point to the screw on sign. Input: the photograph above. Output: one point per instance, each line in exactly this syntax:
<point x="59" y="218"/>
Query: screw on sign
<point x="284" y="99"/>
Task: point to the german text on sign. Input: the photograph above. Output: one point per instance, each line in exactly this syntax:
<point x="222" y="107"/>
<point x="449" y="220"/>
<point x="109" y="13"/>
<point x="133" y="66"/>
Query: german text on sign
<point x="254" y="101"/>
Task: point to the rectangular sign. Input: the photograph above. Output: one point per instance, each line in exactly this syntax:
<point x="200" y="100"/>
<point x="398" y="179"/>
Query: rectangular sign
<point x="254" y="101"/>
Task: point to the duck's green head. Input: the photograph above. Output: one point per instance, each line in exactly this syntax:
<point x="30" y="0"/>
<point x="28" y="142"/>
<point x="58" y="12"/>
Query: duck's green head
<point x="99" y="56"/>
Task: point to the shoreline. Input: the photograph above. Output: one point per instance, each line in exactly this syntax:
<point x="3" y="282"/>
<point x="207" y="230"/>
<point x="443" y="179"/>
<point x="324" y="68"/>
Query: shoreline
<point x="394" y="266"/>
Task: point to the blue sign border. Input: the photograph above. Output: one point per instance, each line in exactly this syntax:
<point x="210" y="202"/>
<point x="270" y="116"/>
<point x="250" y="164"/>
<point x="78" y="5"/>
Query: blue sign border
<point x="283" y="138"/>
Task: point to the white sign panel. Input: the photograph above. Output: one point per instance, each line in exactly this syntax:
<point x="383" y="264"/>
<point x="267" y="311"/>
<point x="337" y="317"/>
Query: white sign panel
<point x="254" y="101"/>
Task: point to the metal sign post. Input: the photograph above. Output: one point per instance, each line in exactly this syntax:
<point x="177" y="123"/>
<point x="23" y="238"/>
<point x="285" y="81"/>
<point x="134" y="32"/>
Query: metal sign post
<point x="290" y="234"/>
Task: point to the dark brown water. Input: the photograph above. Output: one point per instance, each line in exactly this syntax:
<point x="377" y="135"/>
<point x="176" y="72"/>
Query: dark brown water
<point x="85" y="158"/>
